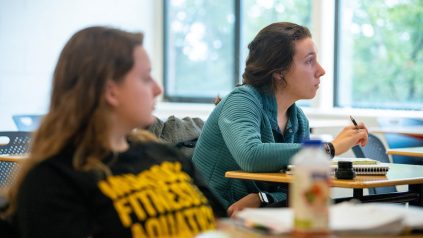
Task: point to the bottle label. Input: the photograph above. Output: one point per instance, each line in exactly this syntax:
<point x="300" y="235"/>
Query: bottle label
<point x="310" y="200"/>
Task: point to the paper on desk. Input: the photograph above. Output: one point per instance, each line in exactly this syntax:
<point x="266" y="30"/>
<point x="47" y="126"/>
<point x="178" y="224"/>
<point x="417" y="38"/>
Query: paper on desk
<point x="370" y="219"/>
<point x="413" y="216"/>
<point x="277" y="220"/>
<point x="345" y="218"/>
<point x="355" y="161"/>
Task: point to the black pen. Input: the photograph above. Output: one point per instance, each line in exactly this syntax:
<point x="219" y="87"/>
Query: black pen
<point x="354" y="122"/>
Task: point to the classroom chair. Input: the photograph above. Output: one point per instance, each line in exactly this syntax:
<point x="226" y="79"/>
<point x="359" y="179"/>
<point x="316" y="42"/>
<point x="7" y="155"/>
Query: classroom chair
<point x="394" y="140"/>
<point x="12" y="143"/>
<point x="374" y="150"/>
<point x="27" y="122"/>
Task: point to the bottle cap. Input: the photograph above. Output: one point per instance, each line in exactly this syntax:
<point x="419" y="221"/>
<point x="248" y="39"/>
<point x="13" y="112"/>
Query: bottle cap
<point x="345" y="164"/>
<point x="345" y="170"/>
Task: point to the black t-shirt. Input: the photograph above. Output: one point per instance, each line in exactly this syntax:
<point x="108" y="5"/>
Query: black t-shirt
<point x="153" y="192"/>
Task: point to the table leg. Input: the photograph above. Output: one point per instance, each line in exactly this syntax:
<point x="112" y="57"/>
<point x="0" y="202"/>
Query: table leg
<point x="358" y="193"/>
<point x="418" y="189"/>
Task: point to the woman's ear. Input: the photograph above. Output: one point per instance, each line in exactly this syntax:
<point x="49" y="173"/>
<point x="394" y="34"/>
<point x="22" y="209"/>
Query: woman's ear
<point x="111" y="93"/>
<point x="278" y="75"/>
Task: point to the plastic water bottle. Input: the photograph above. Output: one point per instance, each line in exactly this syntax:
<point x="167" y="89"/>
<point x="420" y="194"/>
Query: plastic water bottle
<point x="309" y="191"/>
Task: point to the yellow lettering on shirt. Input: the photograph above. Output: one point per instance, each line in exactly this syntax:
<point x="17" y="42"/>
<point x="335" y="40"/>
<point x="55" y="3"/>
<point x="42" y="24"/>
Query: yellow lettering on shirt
<point x="164" y="200"/>
<point x="148" y="206"/>
<point x="181" y="222"/>
<point x="138" y="231"/>
<point x="107" y="189"/>
<point x="207" y="220"/>
<point x="136" y="206"/>
<point x="190" y="215"/>
<point x="159" y="202"/>
<point x="136" y="183"/>
<point x="169" y="219"/>
<point x="182" y="199"/>
<point x="124" y="210"/>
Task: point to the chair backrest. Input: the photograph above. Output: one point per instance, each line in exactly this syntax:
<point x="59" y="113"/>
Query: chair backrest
<point x="7" y="169"/>
<point x="27" y="122"/>
<point x="374" y="150"/>
<point x="16" y="142"/>
<point x="399" y="141"/>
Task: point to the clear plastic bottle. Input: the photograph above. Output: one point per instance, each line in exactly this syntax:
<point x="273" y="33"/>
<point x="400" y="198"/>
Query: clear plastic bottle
<point x="309" y="192"/>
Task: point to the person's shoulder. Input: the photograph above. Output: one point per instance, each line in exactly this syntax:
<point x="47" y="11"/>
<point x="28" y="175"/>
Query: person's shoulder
<point x="47" y="174"/>
<point x="157" y="153"/>
<point x="245" y="95"/>
<point x="246" y="89"/>
<point x="151" y="145"/>
<point x="156" y="150"/>
<point x="50" y="167"/>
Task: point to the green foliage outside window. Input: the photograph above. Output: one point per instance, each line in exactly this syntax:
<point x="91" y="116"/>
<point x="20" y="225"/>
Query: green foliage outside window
<point x="258" y="14"/>
<point x="381" y="53"/>
<point x="201" y="46"/>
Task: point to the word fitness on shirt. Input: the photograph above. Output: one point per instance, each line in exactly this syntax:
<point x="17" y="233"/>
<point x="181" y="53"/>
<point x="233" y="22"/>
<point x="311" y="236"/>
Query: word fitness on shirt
<point x="159" y="202"/>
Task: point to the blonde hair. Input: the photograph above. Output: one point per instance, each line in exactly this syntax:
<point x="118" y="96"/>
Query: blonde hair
<point x="78" y="115"/>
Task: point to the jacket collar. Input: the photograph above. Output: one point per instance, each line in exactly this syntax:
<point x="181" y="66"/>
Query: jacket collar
<point x="270" y="108"/>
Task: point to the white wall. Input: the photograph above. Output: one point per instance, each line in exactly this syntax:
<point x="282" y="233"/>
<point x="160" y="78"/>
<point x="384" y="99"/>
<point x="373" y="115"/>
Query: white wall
<point x="33" y="32"/>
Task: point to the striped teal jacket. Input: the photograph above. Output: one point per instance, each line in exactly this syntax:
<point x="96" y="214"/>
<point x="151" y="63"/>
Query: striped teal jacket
<point x="240" y="135"/>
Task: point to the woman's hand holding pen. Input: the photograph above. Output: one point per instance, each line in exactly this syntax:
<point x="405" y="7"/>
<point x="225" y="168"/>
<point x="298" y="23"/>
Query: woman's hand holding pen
<point x="350" y="136"/>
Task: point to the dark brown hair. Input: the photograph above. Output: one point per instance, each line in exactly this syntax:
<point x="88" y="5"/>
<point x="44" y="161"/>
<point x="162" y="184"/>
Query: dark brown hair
<point x="78" y="114"/>
<point x="272" y="50"/>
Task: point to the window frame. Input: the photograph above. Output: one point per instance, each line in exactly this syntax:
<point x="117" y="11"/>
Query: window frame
<point x="336" y="55"/>
<point x="318" y="20"/>
<point x="236" y="55"/>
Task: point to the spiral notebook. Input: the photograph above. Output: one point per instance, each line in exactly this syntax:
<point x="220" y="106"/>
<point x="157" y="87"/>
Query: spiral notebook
<point x="361" y="166"/>
<point x="355" y="161"/>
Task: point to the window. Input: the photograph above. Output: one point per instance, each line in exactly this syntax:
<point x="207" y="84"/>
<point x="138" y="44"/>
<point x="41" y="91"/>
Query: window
<point x="379" y="59"/>
<point x="206" y="42"/>
<point x="199" y="49"/>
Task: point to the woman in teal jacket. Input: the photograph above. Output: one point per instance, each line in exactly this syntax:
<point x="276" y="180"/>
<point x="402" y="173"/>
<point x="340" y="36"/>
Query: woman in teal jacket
<point x="258" y="127"/>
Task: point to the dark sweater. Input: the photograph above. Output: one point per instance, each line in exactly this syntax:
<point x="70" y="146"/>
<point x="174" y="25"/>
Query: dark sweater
<point x="153" y="192"/>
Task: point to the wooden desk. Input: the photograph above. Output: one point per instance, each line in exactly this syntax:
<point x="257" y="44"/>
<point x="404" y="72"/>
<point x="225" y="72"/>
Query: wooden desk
<point x="13" y="158"/>
<point x="232" y="230"/>
<point x="325" y="124"/>
<point x="414" y="131"/>
<point x="409" y="151"/>
<point x="322" y="123"/>
<point x="398" y="174"/>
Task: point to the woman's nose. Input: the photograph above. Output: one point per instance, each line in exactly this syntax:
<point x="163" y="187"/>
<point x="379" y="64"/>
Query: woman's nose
<point x="157" y="90"/>
<point x="321" y="71"/>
